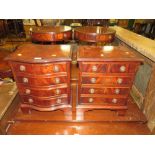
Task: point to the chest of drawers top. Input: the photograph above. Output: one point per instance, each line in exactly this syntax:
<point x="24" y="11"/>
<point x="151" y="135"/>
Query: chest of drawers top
<point x="105" y="53"/>
<point x="33" y="53"/>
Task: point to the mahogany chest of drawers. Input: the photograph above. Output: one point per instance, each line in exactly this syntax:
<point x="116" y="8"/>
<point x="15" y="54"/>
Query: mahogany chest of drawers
<point x="105" y="78"/>
<point x="42" y="74"/>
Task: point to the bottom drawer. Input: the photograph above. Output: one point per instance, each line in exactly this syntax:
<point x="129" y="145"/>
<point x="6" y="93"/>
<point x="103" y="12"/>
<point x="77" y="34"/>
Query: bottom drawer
<point x="45" y="102"/>
<point x="100" y="100"/>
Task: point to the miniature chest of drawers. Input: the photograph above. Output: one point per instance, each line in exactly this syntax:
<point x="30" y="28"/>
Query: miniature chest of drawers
<point x="105" y="78"/>
<point x="42" y="74"/>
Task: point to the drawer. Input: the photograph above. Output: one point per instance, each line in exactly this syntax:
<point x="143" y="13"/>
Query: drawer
<point x="43" y="92"/>
<point x="105" y="90"/>
<point x="103" y="100"/>
<point x="94" y="67"/>
<point x="41" y="80"/>
<point x="123" y="67"/>
<point x="44" y="102"/>
<point x="39" y="68"/>
<point x="108" y="80"/>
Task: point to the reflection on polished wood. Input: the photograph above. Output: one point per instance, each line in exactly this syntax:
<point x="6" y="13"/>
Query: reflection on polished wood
<point x="60" y="128"/>
<point x="95" y="34"/>
<point x="51" y="33"/>
<point x="105" y="67"/>
<point x="94" y="122"/>
<point x="38" y="69"/>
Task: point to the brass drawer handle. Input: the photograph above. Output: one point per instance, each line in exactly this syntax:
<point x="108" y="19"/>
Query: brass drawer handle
<point x="56" y="68"/>
<point x="57" y="80"/>
<point x="94" y="68"/>
<point x="30" y="100"/>
<point x="25" y="80"/>
<point x="119" y="80"/>
<point x="114" y="100"/>
<point x="91" y="100"/>
<point x="91" y="91"/>
<point x="22" y="68"/>
<point x="122" y="69"/>
<point x="58" y="101"/>
<point x="93" y="80"/>
<point x="117" y="91"/>
<point x="57" y="91"/>
<point x="27" y="91"/>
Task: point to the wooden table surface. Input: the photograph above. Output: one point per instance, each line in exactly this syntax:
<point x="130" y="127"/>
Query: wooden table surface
<point x="94" y="122"/>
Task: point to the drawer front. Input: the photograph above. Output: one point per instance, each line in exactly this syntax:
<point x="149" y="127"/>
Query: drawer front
<point x="99" y="100"/>
<point x="107" y="91"/>
<point x="43" y="92"/>
<point x="93" y="67"/>
<point x="123" y="67"/>
<point x="108" y="80"/>
<point x="44" y="102"/>
<point x="41" y="80"/>
<point x="39" y="68"/>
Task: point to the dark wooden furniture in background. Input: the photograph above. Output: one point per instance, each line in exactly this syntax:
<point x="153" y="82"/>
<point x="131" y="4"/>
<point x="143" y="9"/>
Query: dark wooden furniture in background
<point x="95" y="22"/>
<point x="42" y="74"/>
<point x="3" y="30"/>
<point x="94" y="34"/>
<point x="5" y="70"/>
<point x="51" y="34"/>
<point x="15" y="27"/>
<point x="105" y="78"/>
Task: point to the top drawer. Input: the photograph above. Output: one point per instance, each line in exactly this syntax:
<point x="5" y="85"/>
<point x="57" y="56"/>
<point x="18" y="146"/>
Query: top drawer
<point x="39" y="68"/>
<point x="98" y="67"/>
<point x="109" y="67"/>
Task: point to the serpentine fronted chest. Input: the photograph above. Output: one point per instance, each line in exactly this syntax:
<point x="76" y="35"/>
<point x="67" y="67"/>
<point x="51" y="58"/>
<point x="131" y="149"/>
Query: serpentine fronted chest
<point x="42" y="74"/>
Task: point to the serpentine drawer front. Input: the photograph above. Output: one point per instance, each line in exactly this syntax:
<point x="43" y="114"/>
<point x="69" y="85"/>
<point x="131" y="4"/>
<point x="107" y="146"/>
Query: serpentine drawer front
<point x="42" y="74"/>
<point x="105" y="78"/>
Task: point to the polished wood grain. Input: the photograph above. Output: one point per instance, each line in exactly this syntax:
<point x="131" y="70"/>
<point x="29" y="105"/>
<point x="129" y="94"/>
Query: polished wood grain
<point x="94" y="121"/>
<point x="59" y="128"/>
<point x="105" y="67"/>
<point x="44" y="101"/>
<point x="104" y="100"/>
<point x="94" y="34"/>
<point x="41" y="80"/>
<point x="107" y="53"/>
<point x="133" y="113"/>
<point x="109" y="67"/>
<point x="51" y="33"/>
<point x="107" y="80"/>
<point x="34" y="53"/>
<point x="39" y="69"/>
<point x="55" y="90"/>
<point x="42" y="74"/>
<point x="98" y="89"/>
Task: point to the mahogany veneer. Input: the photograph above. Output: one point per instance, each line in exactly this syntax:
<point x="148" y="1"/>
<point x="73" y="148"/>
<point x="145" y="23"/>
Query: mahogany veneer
<point x="105" y="78"/>
<point x="95" y="34"/>
<point x="42" y="74"/>
<point x="51" y="33"/>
